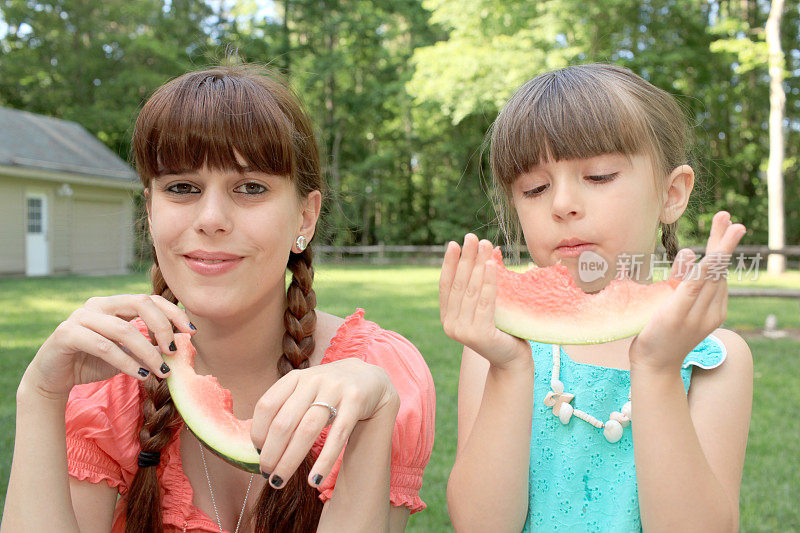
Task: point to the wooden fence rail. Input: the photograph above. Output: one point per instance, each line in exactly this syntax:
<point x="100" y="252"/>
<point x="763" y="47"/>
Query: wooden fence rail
<point x="380" y="250"/>
<point x="752" y="249"/>
<point x="378" y="254"/>
<point x="764" y="293"/>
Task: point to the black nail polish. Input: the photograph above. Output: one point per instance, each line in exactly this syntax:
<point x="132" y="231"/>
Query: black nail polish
<point x="172" y="347"/>
<point x="317" y="479"/>
<point x="143" y="372"/>
<point x="276" y="481"/>
<point x="192" y="326"/>
<point x="266" y="476"/>
<point x="258" y="450"/>
<point x="164" y="368"/>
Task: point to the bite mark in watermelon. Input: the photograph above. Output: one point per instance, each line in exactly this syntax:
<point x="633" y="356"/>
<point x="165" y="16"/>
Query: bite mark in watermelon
<point x="207" y="409"/>
<point x="544" y="304"/>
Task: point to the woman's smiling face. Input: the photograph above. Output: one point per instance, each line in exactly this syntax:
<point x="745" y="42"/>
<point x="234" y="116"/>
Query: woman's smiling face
<point x="223" y="238"/>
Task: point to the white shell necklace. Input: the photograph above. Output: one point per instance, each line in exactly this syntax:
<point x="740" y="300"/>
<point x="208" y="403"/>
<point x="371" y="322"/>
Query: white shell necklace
<point x="213" y="502"/>
<point x="559" y="400"/>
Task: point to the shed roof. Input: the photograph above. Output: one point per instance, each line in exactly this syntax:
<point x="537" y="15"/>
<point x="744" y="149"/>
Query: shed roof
<point x="39" y="142"/>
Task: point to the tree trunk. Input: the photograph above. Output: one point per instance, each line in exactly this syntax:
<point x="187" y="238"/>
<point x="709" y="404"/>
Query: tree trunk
<point x="776" y="264"/>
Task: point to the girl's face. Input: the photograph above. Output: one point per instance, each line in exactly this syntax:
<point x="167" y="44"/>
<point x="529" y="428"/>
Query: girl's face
<point x="223" y="238"/>
<point x="606" y="204"/>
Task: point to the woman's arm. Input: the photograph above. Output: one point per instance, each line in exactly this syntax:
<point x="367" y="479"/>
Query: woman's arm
<point x="87" y="347"/>
<point x="39" y="473"/>
<point x="367" y="407"/>
<point x="361" y="499"/>
<point x="689" y="453"/>
<point x="488" y="486"/>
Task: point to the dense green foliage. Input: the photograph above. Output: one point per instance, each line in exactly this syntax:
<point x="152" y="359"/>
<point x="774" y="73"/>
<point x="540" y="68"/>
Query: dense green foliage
<point x="403" y="91"/>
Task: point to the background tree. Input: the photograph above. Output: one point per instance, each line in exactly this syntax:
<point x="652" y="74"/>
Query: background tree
<point x="404" y="91"/>
<point x="95" y="62"/>
<point x="777" y="100"/>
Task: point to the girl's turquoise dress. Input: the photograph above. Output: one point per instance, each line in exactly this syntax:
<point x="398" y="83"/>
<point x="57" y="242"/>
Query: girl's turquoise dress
<point x="579" y="481"/>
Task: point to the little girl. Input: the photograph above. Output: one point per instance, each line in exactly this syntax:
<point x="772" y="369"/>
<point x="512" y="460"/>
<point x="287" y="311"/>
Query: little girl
<point x="592" y="158"/>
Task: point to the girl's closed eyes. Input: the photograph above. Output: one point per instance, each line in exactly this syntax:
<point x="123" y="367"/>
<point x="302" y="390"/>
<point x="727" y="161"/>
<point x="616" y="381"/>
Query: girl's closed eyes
<point x="595" y="179"/>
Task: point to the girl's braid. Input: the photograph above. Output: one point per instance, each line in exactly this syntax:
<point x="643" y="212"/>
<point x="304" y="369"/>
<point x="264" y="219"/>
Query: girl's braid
<point x="669" y="239"/>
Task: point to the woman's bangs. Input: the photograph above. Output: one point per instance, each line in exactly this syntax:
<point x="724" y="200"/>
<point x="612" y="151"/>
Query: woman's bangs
<point x="206" y="119"/>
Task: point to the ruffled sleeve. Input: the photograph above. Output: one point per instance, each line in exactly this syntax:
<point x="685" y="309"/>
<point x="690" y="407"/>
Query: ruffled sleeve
<point x="707" y="355"/>
<point x="101" y="421"/>
<point x="412" y="440"/>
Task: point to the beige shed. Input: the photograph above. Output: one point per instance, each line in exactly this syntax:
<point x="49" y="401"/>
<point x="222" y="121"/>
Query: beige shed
<point x="66" y="200"/>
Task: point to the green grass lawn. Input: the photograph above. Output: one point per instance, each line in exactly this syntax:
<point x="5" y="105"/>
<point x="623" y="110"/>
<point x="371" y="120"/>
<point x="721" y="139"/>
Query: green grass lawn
<point x="404" y="299"/>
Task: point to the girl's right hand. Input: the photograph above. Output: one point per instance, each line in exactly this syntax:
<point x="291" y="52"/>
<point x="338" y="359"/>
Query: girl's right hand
<point x="467" y="292"/>
<point x="97" y="341"/>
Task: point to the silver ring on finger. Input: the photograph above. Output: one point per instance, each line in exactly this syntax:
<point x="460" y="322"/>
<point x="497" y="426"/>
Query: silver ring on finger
<point x="331" y="410"/>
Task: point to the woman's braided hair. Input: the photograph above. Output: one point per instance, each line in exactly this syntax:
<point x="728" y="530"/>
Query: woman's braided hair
<point x="206" y="117"/>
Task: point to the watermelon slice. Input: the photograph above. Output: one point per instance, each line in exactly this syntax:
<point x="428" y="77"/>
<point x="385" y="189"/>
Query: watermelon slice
<point x="546" y="305"/>
<point x="207" y="409"/>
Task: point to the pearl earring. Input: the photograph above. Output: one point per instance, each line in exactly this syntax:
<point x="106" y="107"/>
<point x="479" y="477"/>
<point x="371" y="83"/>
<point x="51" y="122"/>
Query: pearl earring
<point x="301" y="243"/>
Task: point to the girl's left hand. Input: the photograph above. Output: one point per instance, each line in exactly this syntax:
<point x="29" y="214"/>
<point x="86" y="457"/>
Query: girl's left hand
<point x="698" y="306"/>
<point x="286" y="424"/>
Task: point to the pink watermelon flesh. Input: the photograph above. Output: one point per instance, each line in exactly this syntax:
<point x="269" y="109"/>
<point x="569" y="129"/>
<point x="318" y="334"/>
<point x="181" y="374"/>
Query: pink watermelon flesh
<point x="207" y="409"/>
<point x="546" y="305"/>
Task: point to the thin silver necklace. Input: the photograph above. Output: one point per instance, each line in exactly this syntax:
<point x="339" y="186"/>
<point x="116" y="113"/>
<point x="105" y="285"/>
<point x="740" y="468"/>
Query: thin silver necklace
<point x="213" y="502"/>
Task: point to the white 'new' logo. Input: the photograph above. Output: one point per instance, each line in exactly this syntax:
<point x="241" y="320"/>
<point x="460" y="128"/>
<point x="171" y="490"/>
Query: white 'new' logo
<point x="591" y="266"/>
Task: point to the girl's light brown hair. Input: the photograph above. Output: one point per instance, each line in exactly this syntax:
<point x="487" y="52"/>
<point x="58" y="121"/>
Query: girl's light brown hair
<point x="205" y="118"/>
<point x="583" y="111"/>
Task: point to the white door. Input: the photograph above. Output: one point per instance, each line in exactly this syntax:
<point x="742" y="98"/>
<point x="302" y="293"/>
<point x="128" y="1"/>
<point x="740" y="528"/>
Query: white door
<point x="37" y="259"/>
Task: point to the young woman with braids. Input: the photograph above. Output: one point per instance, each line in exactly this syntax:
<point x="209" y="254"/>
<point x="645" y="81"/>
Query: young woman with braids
<point x="233" y="191"/>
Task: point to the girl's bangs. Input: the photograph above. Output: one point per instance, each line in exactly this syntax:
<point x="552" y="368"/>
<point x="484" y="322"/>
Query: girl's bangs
<point x="562" y="118"/>
<point x="206" y="118"/>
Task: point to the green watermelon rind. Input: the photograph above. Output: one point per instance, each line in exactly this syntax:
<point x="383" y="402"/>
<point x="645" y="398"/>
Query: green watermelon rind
<point x="238" y="453"/>
<point x="520" y="326"/>
<point x="254" y="467"/>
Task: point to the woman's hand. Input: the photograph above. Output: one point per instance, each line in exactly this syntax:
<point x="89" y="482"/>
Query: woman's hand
<point x="286" y="424"/>
<point x="697" y="307"/>
<point x="97" y="341"/>
<point x="467" y="292"/>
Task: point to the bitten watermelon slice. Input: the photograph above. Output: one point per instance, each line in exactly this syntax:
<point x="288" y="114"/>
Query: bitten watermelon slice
<point x="546" y="305"/>
<point x="207" y="409"/>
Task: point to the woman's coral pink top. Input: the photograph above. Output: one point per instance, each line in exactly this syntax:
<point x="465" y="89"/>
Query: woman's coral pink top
<point x="103" y="421"/>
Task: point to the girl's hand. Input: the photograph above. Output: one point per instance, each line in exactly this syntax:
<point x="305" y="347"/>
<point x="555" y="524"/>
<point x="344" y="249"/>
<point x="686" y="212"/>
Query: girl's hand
<point x="97" y="342"/>
<point x="697" y="307"/>
<point x="286" y="424"/>
<point x="467" y="292"/>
